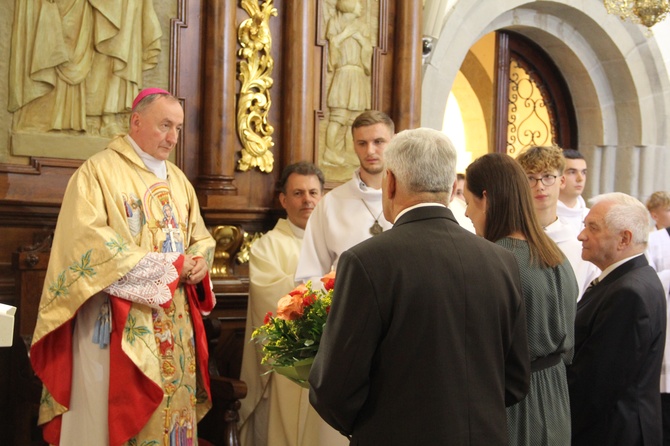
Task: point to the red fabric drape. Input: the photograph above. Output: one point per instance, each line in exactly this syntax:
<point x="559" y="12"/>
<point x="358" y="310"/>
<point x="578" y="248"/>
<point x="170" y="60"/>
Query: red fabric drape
<point x="133" y="397"/>
<point x="201" y="300"/>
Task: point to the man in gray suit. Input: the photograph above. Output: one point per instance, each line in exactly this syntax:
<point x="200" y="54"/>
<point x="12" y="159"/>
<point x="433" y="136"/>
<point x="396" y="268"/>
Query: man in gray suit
<point x="614" y="379"/>
<point x="426" y="339"/>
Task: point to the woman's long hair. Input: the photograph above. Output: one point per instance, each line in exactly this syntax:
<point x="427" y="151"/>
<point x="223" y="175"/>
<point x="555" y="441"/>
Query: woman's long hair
<point x="509" y="206"/>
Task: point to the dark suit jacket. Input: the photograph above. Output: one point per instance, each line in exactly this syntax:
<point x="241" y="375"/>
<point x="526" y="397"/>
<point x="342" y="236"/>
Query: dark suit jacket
<point x="426" y="341"/>
<point x="614" y="378"/>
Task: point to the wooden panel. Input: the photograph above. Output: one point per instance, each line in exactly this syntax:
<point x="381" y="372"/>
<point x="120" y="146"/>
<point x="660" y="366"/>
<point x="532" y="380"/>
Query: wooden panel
<point x="40" y="185"/>
<point x="407" y="65"/>
<point x="231" y="310"/>
<point x="31" y="267"/>
<point x="11" y="240"/>
<point x="23" y="393"/>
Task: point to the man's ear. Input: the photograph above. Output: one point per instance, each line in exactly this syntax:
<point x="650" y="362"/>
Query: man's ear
<point x="134" y="119"/>
<point x="625" y="238"/>
<point x="563" y="182"/>
<point x="282" y="199"/>
<point x="390" y="184"/>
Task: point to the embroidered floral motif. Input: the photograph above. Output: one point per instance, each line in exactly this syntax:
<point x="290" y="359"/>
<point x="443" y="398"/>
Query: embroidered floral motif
<point x="132" y="332"/>
<point x="59" y="289"/>
<point x="167" y="368"/>
<point x="118" y="244"/>
<point x="84" y="269"/>
<point x="46" y="398"/>
<point x="133" y="442"/>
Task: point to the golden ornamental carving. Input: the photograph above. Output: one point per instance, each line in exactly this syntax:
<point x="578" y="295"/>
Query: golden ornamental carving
<point x="228" y="240"/>
<point x="254" y="101"/>
<point x="249" y="239"/>
<point x="232" y="244"/>
<point x="645" y="12"/>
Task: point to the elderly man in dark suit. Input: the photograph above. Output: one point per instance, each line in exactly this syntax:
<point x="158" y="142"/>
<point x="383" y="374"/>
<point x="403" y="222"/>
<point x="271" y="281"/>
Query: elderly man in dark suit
<point x="426" y="339"/>
<point x="620" y="331"/>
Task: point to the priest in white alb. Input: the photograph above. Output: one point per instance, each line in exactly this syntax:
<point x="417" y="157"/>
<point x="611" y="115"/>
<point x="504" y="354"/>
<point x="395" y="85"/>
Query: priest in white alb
<point x="276" y="411"/>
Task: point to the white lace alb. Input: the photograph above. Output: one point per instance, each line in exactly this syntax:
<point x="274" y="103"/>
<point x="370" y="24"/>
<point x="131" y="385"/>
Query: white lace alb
<point x="147" y="283"/>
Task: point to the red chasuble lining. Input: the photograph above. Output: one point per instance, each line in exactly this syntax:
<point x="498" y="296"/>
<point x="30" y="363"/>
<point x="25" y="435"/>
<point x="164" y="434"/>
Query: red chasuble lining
<point x="201" y="299"/>
<point x="133" y="397"/>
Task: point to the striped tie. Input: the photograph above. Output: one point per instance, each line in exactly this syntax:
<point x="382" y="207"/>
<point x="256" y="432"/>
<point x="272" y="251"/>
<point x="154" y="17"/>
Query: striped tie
<point x="593" y="283"/>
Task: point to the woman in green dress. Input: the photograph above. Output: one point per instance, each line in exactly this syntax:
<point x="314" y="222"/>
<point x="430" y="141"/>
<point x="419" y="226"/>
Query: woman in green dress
<point x="499" y="203"/>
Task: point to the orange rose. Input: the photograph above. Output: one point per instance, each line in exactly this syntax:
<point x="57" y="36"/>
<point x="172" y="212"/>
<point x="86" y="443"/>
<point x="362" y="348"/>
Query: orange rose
<point x="328" y="281"/>
<point x="290" y="307"/>
<point x="300" y="289"/>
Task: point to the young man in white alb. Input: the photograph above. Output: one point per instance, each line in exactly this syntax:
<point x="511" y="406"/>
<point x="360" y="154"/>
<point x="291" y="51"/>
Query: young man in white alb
<point x="352" y="212"/>
<point x="571" y="206"/>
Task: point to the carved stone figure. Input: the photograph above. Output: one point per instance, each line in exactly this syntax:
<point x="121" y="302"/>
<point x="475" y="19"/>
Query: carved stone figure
<point x="350" y="60"/>
<point x="76" y="65"/>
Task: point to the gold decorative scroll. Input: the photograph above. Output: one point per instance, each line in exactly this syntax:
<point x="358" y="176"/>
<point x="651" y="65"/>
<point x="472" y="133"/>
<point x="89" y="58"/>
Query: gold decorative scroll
<point x="242" y="255"/>
<point x="232" y="244"/>
<point x="254" y="101"/>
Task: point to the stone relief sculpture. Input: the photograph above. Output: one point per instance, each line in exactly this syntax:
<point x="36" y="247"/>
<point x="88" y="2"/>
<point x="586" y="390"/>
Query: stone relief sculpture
<point x="349" y="60"/>
<point x="76" y="65"/>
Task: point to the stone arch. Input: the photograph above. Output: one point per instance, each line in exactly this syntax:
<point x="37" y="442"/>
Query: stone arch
<point x="615" y="73"/>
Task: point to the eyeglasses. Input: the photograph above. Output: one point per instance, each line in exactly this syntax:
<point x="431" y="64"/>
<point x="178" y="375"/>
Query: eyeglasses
<point x="547" y="180"/>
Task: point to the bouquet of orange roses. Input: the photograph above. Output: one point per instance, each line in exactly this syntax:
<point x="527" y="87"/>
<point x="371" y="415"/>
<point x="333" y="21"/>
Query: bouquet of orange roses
<point x="291" y="339"/>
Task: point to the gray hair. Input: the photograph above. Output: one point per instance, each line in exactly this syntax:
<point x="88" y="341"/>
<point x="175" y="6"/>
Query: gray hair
<point x="626" y="213"/>
<point x="146" y="101"/>
<point x="423" y="160"/>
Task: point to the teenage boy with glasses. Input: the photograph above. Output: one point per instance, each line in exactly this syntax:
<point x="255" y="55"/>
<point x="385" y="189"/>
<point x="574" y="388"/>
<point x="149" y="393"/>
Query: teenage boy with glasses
<point x="544" y="167"/>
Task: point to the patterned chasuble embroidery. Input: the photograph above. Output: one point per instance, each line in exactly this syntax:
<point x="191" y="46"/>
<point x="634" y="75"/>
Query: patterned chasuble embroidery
<point x="172" y="346"/>
<point x="163" y="217"/>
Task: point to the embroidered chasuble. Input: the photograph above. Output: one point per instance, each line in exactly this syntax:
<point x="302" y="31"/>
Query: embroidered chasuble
<point x="122" y="231"/>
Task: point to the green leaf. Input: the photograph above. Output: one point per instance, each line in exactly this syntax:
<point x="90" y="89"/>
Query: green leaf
<point x="84" y="269"/>
<point x="59" y="289"/>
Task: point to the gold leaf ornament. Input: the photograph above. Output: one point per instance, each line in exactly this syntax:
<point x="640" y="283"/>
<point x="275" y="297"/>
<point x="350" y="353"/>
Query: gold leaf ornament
<point x="254" y="101"/>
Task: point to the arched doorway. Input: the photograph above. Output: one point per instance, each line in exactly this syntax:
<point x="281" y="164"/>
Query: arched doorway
<point x="508" y="95"/>
<point x="533" y="102"/>
<point x="614" y="72"/>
